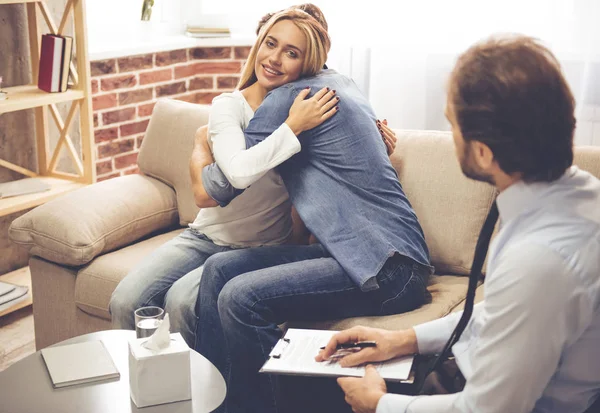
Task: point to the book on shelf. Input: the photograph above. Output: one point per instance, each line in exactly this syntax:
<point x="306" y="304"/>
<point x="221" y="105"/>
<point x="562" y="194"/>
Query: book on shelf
<point x="50" y="61"/>
<point x="79" y="363"/>
<point x="66" y="63"/>
<point x="199" y="29"/>
<point x="55" y="59"/>
<point x="11" y="294"/>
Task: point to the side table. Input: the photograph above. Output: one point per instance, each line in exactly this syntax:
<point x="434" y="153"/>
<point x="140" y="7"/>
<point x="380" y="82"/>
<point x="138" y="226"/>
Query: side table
<point x="25" y="386"/>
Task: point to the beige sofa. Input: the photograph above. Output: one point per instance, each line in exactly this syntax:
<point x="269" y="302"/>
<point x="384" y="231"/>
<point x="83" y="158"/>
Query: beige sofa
<point x="84" y="243"/>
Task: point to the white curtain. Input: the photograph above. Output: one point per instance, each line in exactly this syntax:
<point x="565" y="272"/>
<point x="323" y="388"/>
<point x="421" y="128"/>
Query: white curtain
<point x="410" y="67"/>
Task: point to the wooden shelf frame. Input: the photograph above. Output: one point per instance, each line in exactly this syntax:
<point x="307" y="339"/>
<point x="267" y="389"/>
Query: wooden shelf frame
<point x="44" y="104"/>
<point x="17" y="1"/>
<point x="29" y="96"/>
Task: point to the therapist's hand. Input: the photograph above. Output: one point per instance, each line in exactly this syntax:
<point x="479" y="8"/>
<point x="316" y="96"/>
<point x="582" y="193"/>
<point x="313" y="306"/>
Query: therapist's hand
<point x="363" y="393"/>
<point x="390" y="344"/>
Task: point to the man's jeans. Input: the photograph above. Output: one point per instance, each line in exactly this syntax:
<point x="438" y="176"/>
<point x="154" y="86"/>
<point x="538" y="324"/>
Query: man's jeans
<point x="167" y="278"/>
<point x="245" y="294"/>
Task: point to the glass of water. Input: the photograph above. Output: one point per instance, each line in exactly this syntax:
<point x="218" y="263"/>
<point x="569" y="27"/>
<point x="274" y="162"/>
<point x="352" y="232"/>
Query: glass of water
<point x="147" y="320"/>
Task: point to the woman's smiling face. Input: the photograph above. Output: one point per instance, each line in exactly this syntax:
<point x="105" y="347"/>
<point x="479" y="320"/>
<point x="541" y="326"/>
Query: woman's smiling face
<point x="281" y="55"/>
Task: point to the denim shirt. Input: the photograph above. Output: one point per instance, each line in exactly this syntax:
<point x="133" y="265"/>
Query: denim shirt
<point x="342" y="182"/>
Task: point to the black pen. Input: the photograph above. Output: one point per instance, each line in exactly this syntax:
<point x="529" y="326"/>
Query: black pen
<point x="358" y="344"/>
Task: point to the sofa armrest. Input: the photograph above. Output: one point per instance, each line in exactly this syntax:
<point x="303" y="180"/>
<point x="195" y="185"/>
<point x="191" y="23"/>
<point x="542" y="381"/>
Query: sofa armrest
<point x="95" y="219"/>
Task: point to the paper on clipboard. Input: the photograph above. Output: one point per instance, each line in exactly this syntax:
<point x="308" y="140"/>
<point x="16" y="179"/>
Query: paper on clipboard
<point x="295" y="355"/>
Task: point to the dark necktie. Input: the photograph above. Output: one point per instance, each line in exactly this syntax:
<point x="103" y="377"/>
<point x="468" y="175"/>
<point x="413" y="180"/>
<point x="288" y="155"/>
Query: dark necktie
<point x="481" y="249"/>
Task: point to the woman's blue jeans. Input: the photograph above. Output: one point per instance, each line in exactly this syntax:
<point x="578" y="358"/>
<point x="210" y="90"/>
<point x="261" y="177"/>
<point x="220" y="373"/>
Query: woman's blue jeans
<point x="168" y="278"/>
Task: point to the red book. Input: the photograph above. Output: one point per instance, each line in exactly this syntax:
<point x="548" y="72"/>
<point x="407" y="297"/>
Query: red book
<point x="50" y="63"/>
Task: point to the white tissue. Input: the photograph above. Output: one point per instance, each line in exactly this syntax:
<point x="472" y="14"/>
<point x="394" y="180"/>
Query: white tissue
<point x="161" y="338"/>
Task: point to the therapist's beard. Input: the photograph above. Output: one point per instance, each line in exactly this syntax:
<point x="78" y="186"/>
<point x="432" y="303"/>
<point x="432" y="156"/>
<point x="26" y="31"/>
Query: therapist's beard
<point x="469" y="167"/>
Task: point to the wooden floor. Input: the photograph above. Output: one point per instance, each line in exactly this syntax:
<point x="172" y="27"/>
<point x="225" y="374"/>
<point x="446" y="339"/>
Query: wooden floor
<point x="17" y="338"/>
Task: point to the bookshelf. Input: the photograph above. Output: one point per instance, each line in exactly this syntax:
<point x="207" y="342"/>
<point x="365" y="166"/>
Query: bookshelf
<point x="44" y="105"/>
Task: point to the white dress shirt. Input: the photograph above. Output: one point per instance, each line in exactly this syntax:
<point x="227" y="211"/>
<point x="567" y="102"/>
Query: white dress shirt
<point x="261" y="215"/>
<point x="533" y="344"/>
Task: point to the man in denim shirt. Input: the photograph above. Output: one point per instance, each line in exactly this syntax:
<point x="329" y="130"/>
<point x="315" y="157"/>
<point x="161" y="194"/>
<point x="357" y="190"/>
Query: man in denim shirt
<point x="372" y="258"/>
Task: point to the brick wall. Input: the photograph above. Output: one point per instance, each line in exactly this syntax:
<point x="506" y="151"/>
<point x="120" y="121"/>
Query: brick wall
<point x="125" y="91"/>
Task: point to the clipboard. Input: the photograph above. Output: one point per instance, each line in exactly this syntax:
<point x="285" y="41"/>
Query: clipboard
<point x="294" y="355"/>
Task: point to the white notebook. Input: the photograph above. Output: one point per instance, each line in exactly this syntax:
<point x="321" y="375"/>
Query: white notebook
<point x="79" y="363"/>
<point x="295" y="355"/>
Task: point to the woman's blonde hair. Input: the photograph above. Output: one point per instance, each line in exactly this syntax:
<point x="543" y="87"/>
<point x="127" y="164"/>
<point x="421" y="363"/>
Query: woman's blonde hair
<point x="317" y="40"/>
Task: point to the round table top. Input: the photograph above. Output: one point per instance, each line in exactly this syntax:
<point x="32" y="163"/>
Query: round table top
<point x="26" y="386"/>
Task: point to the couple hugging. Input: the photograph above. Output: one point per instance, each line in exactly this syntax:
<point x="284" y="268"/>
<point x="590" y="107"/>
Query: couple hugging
<point x="303" y="218"/>
<point x="309" y="157"/>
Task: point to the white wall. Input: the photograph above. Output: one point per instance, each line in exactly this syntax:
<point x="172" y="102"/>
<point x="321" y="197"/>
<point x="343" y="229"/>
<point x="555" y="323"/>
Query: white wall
<point x="120" y="20"/>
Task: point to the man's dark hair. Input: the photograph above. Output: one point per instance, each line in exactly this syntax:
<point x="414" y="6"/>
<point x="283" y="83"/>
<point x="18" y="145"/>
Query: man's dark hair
<point x="509" y="93"/>
<point x="309" y="8"/>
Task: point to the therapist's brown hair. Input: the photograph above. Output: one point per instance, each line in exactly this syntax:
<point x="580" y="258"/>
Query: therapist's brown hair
<point x="510" y="93"/>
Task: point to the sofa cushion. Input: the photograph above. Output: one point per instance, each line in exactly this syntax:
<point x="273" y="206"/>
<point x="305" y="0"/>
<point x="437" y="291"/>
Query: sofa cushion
<point x="479" y="294"/>
<point x="96" y="282"/>
<point x="451" y="208"/>
<point x="95" y="219"/>
<point x="447" y="291"/>
<point x="167" y="148"/>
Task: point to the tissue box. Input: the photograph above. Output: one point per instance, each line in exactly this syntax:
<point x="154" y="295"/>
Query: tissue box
<point x="157" y="377"/>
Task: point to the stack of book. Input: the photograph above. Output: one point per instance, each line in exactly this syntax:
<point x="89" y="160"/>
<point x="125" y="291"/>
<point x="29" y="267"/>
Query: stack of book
<point x="55" y="60"/>
<point x="196" y="31"/>
<point x="209" y="25"/>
